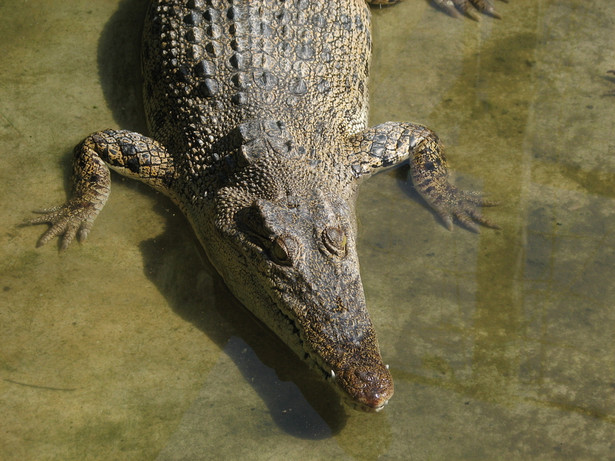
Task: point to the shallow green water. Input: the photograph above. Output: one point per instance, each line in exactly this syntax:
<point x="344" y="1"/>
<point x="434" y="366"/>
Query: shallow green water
<point x="501" y="344"/>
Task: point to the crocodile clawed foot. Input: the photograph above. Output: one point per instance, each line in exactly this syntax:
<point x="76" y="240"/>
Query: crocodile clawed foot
<point x="464" y="207"/>
<point x="467" y="7"/>
<point x="73" y="219"/>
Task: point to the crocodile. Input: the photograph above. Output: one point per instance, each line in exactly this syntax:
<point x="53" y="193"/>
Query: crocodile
<point x="257" y="111"/>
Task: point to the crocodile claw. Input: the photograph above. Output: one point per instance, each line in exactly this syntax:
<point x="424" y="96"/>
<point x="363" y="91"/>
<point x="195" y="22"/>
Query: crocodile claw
<point x="464" y="207"/>
<point x="467" y="7"/>
<point x="73" y="219"/>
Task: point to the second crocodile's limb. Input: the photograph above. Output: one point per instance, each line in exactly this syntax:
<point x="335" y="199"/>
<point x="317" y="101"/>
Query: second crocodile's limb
<point x="129" y="153"/>
<point x="467" y="7"/>
<point x="391" y="143"/>
<point x="454" y="7"/>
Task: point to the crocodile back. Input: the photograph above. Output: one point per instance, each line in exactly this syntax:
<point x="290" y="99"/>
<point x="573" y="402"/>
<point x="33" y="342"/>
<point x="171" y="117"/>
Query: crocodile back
<point x="212" y="65"/>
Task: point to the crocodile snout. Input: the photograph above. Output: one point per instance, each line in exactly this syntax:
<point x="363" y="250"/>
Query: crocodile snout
<point x="369" y="389"/>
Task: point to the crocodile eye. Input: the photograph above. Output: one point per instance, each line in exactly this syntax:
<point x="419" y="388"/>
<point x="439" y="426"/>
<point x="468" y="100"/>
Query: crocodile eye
<point x="280" y="251"/>
<point x="335" y="240"/>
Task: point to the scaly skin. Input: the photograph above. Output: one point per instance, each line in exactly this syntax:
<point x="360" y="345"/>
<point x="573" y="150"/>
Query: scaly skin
<point x="258" y="115"/>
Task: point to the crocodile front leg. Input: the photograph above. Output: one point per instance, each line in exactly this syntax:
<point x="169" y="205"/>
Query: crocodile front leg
<point x="392" y="143"/>
<point x="467" y="7"/>
<point x="126" y="152"/>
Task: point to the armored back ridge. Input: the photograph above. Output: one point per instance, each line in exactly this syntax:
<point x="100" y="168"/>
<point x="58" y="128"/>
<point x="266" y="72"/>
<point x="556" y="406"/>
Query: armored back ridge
<point x="211" y="66"/>
<point x="258" y="116"/>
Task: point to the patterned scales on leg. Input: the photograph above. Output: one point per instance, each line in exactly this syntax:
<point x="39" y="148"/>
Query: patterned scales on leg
<point x="129" y="153"/>
<point x="391" y="143"/>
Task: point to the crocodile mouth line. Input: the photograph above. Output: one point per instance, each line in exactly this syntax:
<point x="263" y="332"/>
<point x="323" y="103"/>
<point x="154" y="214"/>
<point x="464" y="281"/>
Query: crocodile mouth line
<point x="287" y="327"/>
<point x="316" y="363"/>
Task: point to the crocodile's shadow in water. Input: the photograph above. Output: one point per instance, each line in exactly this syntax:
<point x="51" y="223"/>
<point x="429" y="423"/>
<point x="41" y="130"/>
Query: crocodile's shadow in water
<point x="176" y="264"/>
<point x="171" y="260"/>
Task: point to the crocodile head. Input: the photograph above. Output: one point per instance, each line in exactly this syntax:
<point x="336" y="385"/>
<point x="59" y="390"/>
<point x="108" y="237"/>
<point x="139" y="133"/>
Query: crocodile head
<point x="287" y="250"/>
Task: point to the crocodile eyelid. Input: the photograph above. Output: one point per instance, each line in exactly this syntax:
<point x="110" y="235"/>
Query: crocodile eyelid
<point x="335" y="241"/>
<point x="280" y="252"/>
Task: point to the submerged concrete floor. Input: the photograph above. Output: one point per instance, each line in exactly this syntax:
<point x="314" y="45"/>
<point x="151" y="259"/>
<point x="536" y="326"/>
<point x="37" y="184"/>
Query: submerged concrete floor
<point x="501" y="344"/>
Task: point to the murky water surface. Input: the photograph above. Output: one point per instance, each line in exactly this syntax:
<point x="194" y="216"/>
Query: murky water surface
<point x="501" y="344"/>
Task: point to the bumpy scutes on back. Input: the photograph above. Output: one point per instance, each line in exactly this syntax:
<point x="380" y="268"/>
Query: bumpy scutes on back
<point x="210" y="65"/>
